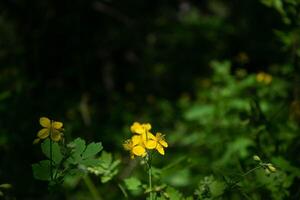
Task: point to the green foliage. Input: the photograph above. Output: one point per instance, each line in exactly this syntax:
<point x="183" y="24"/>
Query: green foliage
<point x="82" y="154"/>
<point x="133" y="183"/>
<point x="56" y="153"/>
<point x="41" y="170"/>
<point x="209" y="188"/>
<point x="107" y="167"/>
<point x="173" y="194"/>
<point x="73" y="161"/>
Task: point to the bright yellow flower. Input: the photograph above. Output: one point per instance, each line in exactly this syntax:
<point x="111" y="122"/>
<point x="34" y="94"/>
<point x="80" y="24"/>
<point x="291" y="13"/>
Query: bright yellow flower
<point x="161" y="143"/>
<point x="144" y="140"/>
<point x="50" y="128"/>
<point x="140" y="128"/>
<point x="149" y="140"/>
<point x="135" y="146"/>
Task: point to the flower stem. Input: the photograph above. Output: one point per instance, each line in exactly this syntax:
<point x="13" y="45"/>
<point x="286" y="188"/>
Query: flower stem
<point x="51" y="161"/>
<point x="92" y="188"/>
<point x="245" y="174"/>
<point x="251" y="170"/>
<point x="150" y="177"/>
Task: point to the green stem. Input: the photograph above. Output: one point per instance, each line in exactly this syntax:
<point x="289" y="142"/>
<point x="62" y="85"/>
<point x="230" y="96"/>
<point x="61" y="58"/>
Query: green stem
<point x="51" y="161"/>
<point x="251" y="170"/>
<point x="150" y="177"/>
<point x="245" y="174"/>
<point x="92" y="188"/>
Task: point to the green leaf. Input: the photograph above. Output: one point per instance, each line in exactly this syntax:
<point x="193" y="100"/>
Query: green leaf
<point x="77" y="146"/>
<point x="106" y="159"/>
<point x="174" y="194"/>
<point x="199" y="112"/>
<point x="56" y="153"/>
<point x="217" y="188"/>
<point x="92" y="149"/>
<point x="41" y="170"/>
<point x="82" y="154"/>
<point x="132" y="183"/>
<point x="107" y="168"/>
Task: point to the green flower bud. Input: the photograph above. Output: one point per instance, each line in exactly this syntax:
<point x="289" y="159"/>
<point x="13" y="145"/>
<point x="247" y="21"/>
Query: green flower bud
<point x="256" y="158"/>
<point x="271" y="167"/>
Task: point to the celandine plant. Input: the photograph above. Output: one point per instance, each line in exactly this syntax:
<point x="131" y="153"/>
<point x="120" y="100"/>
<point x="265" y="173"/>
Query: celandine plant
<point x="75" y="159"/>
<point x="142" y="144"/>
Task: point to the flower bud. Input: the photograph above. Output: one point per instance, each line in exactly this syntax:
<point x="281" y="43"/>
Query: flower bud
<point x="271" y="167"/>
<point x="256" y="158"/>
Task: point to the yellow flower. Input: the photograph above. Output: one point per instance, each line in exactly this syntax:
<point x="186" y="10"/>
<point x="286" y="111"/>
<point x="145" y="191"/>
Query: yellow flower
<point x="149" y="140"/>
<point x="135" y="146"/>
<point x="50" y="128"/>
<point x="263" y="77"/>
<point x="161" y="143"/>
<point x="144" y="140"/>
<point x="140" y="128"/>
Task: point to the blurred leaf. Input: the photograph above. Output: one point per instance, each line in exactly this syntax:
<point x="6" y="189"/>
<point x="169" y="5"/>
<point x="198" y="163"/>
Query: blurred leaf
<point x="41" y="170"/>
<point x="107" y="168"/>
<point x="92" y="149"/>
<point x="132" y="183"/>
<point x="84" y="155"/>
<point x="56" y="153"/>
<point x="200" y="113"/>
<point x="173" y="194"/>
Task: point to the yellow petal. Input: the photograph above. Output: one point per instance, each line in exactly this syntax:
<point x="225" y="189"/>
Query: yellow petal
<point x="45" y="122"/>
<point x="147" y="126"/>
<point x="147" y="136"/>
<point x="55" y="135"/>
<point x="160" y="139"/>
<point x="137" y="128"/>
<point x="43" y="133"/>
<point x="150" y="136"/>
<point x="57" y="125"/>
<point x="150" y="144"/>
<point x="136" y="139"/>
<point x="37" y="140"/>
<point x="138" y="150"/>
<point x="160" y="149"/>
<point x="163" y="143"/>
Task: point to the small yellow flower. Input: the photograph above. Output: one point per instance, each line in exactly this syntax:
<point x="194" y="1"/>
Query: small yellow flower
<point x="263" y="77"/>
<point x="138" y="128"/>
<point x="161" y="143"/>
<point x="144" y="140"/>
<point x="135" y="146"/>
<point x="50" y="128"/>
<point x="149" y="140"/>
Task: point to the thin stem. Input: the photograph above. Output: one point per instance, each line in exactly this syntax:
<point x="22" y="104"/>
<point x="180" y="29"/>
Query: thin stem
<point x="51" y="160"/>
<point x="92" y="188"/>
<point x="245" y="174"/>
<point x="251" y="170"/>
<point x="150" y="177"/>
<point x="150" y="182"/>
<point x="123" y="190"/>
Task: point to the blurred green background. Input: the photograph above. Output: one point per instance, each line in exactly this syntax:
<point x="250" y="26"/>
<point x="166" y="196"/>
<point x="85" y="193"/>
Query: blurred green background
<point x="187" y="67"/>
